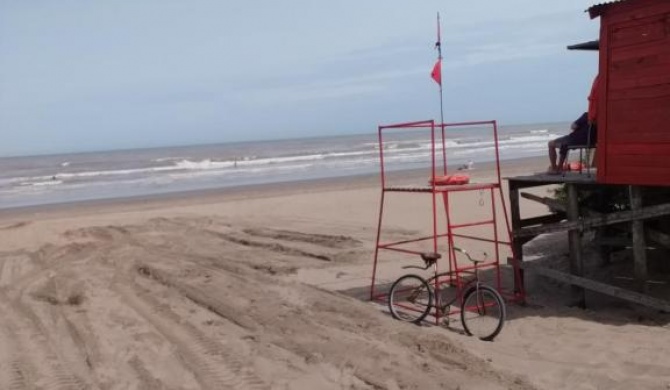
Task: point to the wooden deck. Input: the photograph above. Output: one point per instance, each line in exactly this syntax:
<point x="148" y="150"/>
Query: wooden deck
<point x="540" y="179"/>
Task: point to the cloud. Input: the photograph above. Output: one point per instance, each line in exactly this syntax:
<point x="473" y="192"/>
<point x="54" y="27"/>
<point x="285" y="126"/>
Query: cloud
<point x="498" y="52"/>
<point x="334" y="88"/>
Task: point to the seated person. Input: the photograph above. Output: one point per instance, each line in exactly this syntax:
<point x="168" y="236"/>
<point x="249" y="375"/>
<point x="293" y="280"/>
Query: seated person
<point x="578" y="137"/>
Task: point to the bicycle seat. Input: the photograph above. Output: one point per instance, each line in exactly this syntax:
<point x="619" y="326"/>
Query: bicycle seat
<point x="430" y="257"/>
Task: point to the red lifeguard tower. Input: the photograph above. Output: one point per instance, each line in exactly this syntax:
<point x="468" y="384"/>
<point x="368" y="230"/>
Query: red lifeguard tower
<point x="446" y="232"/>
<point x="626" y="205"/>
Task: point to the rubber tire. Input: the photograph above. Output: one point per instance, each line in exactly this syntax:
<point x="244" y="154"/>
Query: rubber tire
<point x="500" y="302"/>
<point x="420" y="281"/>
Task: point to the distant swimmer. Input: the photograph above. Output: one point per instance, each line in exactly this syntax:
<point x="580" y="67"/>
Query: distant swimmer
<point x="235" y="163"/>
<point x="469" y="166"/>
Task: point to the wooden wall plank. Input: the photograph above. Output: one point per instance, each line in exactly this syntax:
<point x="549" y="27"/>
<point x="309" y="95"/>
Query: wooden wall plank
<point x="619" y="174"/>
<point x="643" y="161"/>
<point x="621" y="170"/>
<point x="639" y="120"/>
<point x="651" y="91"/>
<point x="635" y="180"/>
<point x="621" y="55"/>
<point x="642" y="64"/>
<point x="657" y="149"/>
<point x="639" y="31"/>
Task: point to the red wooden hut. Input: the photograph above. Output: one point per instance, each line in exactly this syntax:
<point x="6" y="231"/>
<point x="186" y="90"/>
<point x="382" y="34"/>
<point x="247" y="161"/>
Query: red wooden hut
<point x="634" y="100"/>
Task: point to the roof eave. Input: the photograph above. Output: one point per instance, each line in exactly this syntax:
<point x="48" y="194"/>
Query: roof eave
<point x="598" y="9"/>
<point x="590" y="45"/>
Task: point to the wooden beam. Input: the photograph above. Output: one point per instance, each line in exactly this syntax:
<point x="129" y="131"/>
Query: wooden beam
<point x="603" y="288"/>
<point x="575" y="243"/>
<point x="544" y="261"/>
<point x="658" y="237"/>
<point x="543" y="220"/>
<point x="519" y="184"/>
<point x="639" y="244"/>
<point x="650" y="234"/>
<point x="553" y="204"/>
<point x="597" y="221"/>
<point x="540" y="179"/>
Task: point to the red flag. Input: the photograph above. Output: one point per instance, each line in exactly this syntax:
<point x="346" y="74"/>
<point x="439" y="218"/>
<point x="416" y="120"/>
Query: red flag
<point x="436" y="74"/>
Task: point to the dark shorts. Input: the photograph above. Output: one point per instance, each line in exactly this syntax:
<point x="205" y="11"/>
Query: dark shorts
<point x="579" y="137"/>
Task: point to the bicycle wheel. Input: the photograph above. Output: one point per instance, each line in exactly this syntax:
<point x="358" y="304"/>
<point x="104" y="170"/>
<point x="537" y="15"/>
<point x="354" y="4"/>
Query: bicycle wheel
<point x="410" y="299"/>
<point x="482" y="312"/>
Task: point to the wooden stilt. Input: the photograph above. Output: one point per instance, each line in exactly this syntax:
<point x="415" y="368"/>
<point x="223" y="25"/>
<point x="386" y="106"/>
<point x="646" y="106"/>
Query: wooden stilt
<point x="578" y="297"/>
<point x="517" y="243"/>
<point x="639" y="242"/>
<point x="604" y="250"/>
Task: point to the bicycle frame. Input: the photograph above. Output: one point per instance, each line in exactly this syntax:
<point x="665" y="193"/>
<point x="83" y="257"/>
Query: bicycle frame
<point x="461" y="288"/>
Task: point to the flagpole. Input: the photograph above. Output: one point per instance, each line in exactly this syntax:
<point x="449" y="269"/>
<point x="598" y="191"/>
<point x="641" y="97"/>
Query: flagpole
<point x="438" y="45"/>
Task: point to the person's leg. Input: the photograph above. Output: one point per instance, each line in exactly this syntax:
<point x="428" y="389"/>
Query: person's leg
<point x="564" y="156"/>
<point x="579" y="137"/>
<point x="552" y="145"/>
<point x="552" y="155"/>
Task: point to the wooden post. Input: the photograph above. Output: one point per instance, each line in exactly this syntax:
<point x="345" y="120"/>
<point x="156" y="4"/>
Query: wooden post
<point x="578" y="295"/>
<point x="604" y="251"/>
<point x="639" y="244"/>
<point x="517" y="243"/>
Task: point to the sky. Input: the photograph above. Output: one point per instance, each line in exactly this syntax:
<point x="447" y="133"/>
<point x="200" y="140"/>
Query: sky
<point x="102" y="75"/>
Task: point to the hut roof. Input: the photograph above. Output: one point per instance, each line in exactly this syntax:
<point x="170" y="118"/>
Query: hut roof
<point x="597" y="10"/>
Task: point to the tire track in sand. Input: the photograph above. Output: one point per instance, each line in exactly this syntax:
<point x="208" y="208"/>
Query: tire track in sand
<point x="34" y="347"/>
<point x="213" y="366"/>
<point x="201" y="298"/>
<point x="14" y="372"/>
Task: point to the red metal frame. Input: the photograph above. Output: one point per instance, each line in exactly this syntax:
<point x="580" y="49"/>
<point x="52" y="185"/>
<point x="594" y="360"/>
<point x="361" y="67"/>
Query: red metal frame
<point x="456" y="271"/>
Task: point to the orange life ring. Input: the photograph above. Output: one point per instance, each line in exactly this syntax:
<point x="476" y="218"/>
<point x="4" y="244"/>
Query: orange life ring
<point x="457" y="179"/>
<point x="574" y="166"/>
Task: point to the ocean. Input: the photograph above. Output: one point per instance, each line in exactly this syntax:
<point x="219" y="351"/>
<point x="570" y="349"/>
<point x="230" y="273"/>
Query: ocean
<point x="49" y="179"/>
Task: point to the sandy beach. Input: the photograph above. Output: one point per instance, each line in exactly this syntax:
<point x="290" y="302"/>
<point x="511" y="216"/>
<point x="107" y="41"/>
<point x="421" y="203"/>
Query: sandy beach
<point x="264" y="288"/>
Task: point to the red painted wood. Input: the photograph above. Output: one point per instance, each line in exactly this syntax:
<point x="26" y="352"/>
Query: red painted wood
<point x="639" y="120"/>
<point x="639" y="176"/>
<point x="642" y="65"/>
<point x="649" y="48"/>
<point x="658" y="149"/>
<point x="638" y="31"/>
<point x="603" y="70"/>
<point x="636" y="179"/>
<point x="634" y="106"/>
<point x="652" y="91"/>
<point x="641" y="161"/>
